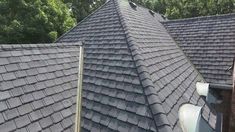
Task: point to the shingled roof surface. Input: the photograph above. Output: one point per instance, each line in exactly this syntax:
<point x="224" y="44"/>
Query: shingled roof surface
<point x="209" y="42"/>
<point x="38" y="87"/>
<point x="135" y="75"/>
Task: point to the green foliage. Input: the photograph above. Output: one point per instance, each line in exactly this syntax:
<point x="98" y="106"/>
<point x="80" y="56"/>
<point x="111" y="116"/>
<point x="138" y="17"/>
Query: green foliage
<point x="175" y="9"/>
<point x="52" y="35"/>
<point x="40" y="21"/>
<point x="82" y="8"/>
<point x="33" y="21"/>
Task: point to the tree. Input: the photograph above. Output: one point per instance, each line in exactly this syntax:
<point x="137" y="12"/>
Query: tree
<point x="175" y="9"/>
<point x="40" y="21"/>
<point x="82" y="8"/>
<point x="33" y="21"/>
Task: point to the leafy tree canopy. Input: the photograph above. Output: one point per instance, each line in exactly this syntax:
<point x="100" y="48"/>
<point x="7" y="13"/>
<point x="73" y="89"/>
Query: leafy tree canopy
<point x="82" y="8"/>
<point x="33" y="21"/>
<point x="175" y="9"/>
<point x="40" y="21"/>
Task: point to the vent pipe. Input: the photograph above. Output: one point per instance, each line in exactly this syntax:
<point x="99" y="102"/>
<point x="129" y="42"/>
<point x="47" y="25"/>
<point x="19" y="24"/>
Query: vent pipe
<point x="133" y="5"/>
<point x="202" y="88"/>
<point x="189" y="117"/>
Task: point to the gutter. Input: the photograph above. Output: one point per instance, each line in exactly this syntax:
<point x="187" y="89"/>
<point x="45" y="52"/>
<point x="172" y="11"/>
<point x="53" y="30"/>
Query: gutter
<point x="220" y="86"/>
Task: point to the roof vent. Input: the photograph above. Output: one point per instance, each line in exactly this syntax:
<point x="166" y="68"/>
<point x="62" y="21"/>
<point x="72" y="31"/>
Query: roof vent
<point x="164" y="17"/>
<point x="202" y="88"/>
<point x="151" y="12"/>
<point x="133" y="5"/>
<point x="189" y="117"/>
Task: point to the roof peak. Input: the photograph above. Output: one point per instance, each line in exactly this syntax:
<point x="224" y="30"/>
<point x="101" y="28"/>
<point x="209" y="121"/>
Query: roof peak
<point x="144" y="76"/>
<point x="118" y="4"/>
<point x="160" y="67"/>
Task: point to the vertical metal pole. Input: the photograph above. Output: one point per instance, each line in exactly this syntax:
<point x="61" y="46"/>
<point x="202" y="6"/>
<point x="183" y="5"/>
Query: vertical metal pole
<point x="79" y="92"/>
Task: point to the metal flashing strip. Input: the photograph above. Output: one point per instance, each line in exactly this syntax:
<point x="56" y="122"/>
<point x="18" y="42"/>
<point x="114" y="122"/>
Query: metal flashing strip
<point x="79" y="91"/>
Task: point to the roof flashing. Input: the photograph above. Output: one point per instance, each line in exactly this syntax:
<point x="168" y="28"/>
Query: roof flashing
<point x="133" y="5"/>
<point x="151" y="12"/>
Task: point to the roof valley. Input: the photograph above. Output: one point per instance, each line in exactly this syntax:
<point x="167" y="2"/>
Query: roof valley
<point x="203" y="80"/>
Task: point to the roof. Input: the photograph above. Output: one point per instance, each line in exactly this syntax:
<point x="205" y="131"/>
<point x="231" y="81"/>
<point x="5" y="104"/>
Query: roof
<point x="135" y="76"/>
<point x="38" y="87"/>
<point x="209" y="42"/>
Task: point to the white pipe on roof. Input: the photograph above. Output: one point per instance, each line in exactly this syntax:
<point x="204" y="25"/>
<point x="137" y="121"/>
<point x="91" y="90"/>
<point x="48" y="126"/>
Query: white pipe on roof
<point x="189" y="117"/>
<point x="202" y="88"/>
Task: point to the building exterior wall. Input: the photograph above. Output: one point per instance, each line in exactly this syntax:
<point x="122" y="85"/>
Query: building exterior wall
<point x="232" y="117"/>
<point x="224" y="108"/>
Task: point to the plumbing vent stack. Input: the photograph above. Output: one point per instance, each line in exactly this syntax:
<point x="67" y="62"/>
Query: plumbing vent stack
<point x="202" y="88"/>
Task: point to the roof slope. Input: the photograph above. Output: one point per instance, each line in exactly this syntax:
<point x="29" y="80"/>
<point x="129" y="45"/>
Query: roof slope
<point x="134" y="72"/>
<point x="209" y="42"/>
<point x="113" y="98"/>
<point x="38" y="87"/>
<point x="164" y="65"/>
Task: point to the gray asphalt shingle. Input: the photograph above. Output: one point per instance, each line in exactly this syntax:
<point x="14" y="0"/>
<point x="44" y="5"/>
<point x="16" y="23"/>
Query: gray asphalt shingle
<point x="22" y="121"/>
<point x="25" y="103"/>
<point x="109" y="71"/>
<point x="209" y="43"/>
<point x="34" y="127"/>
<point x="1" y="119"/>
<point x="8" y="126"/>
<point x="129" y="57"/>
<point x="135" y="77"/>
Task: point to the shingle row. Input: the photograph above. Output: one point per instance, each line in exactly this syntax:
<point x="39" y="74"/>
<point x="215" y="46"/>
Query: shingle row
<point x="135" y="75"/>
<point x="209" y="43"/>
<point x="36" y="90"/>
<point x="113" y="98"/>
<point x="169" y="79"/>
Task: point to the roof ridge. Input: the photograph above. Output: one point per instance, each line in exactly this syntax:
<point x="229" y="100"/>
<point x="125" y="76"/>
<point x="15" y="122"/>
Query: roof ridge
<point x="146" y="8"/>
<point x="200" y="17"/>
<point x="145" y="79"/>
<point x="41" y="45"/>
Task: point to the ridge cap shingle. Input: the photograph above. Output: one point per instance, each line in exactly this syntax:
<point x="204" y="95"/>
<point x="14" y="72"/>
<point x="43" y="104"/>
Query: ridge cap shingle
<point x="150" y="55"/>
<point x="145" y="78"/>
